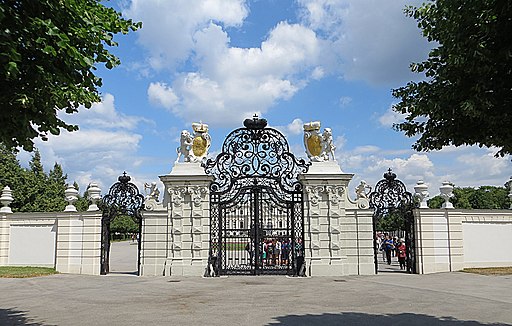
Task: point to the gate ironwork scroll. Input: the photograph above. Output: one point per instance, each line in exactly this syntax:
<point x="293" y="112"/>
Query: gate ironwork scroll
<point x="256" y="204"/>
<point x="391" y="198"/>
<point x="123" y="198"/>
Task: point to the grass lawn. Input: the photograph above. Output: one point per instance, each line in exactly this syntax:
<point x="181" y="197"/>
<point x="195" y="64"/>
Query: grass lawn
<point x="25" y="271"/>
<point x="490" y="270"/>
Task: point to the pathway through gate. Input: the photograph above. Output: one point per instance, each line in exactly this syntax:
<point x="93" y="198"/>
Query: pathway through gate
<point x="391" y="201"/>
<point x="256" y="204"/>
<point x="123" y="199"/>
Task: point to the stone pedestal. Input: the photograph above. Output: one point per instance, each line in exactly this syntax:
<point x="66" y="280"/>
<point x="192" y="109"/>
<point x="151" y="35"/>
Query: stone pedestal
<point x="338" y="235"/>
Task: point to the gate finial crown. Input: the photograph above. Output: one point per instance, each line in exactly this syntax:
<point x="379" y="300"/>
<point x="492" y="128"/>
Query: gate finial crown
<point x="124" y="178"/>
<point x="389" y="176"/>
<point x="255" y="123"/>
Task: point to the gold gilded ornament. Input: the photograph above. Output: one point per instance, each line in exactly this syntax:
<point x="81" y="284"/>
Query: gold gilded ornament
<point x="314" y="145"/>
<point x="199" y="146"/>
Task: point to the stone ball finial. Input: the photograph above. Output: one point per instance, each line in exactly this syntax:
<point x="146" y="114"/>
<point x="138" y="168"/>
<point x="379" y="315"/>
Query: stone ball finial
<point x="6" y="199"/>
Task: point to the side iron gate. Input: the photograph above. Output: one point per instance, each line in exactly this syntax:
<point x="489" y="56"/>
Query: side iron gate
<point x="123" y="199"/>
<point x="256" y="204"/>
<point x="391" y="200"/>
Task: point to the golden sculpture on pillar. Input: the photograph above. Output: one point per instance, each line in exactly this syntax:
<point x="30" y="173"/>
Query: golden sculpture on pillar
<point x="318" y="145"/>
<point x="195" y="147"/>
<point x="201" y="142"/>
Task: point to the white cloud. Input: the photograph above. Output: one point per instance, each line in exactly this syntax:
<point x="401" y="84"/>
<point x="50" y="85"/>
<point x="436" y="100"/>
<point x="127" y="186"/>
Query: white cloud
<point x="169" y="26"/>
<point x="474" y="166"/>
<point x="103" y="115"/>
<point x="391" y="117"/>
<point x="232" y="83"/>
<point x="345" y="101"/>
<point x="373" y="39"/>
<point x="296" y="127"/>
<point x="105" y="145"/>
<point x="162" y="95"/>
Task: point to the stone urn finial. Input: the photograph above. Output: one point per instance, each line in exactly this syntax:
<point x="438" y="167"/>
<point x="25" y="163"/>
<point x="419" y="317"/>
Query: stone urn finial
<point x="421" y="192"/>
<point x="94" y="195"/>
<point x="71" y="197"/>
<point x="6" y="199"/>
<point x="446" y="193"/>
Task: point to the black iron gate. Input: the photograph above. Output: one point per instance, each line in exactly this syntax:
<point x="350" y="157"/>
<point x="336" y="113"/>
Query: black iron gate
<point x="123" y="199"/>
<point x="256" y="204"/>
<point x="390" y="199"/>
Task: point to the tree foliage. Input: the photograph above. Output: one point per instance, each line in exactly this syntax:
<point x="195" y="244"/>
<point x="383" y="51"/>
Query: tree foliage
<point x="124" y="224"/>
<point x="466" y="98"/>
<point x="484" y="197"/>
<point x="393" y="221"/>
<point x="33" y="189"/>
<point x="49" y="50"/>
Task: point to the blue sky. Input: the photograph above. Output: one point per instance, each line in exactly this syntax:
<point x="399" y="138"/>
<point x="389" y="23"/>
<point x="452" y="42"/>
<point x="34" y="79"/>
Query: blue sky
<point x="220" y="61"/>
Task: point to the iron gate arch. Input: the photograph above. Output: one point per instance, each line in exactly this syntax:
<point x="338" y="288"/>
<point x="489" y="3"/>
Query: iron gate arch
<point x="391" y="196"/>
<point x="256" y="198"/>
<point x="123" y="198"/>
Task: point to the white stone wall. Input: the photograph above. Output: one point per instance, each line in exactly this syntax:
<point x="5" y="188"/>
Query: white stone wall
<point x="451" y="240"/>
<point x="70" y="242"/>
<point x="27" y="239"/>
<point x="487" y="239"/>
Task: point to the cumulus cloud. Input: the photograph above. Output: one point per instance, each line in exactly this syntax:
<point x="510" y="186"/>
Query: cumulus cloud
<point x="169" y="26"/>
<point x="474" y="166"/>
<point x="296" y="127"/>
<point x="232" y="83"/>
<point x="104" y="147"/>
<point x="162" y="95"/>
<point x="373" y="40"/>
<point x="222" y="83"/>
<point x="390" y="117"/>
<point x="103" y="115"/>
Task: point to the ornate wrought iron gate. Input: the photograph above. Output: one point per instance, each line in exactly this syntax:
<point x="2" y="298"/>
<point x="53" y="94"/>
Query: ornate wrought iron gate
<point x="256" y="204"/>
<point x="391" y="197"/>
<point x="123" y="199"/>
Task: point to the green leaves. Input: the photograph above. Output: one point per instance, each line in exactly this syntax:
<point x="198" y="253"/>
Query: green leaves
<point x="33" y="189"/>
<point x="48" y="53"/>
<point x="467" y="95"/>
<point x="484" y="197"/>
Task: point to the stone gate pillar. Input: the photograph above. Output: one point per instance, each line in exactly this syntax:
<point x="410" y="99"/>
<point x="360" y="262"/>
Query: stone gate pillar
<point x="338" y="231"/>
<point x="186" y="198"/>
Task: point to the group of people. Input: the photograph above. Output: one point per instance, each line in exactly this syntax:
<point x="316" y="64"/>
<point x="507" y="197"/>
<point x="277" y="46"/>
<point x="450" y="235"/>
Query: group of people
<point x="392" y="247"/>
<point x="272" y="251"/>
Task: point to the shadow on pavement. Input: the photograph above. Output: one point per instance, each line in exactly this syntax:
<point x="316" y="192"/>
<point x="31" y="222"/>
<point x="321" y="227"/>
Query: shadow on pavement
<point x="13" y="317"/>
<point x="355" y="318"/>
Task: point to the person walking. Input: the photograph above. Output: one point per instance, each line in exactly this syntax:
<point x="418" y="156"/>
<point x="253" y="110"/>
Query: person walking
<point x="388" y="248"/>
<point x="402" y="253"/>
